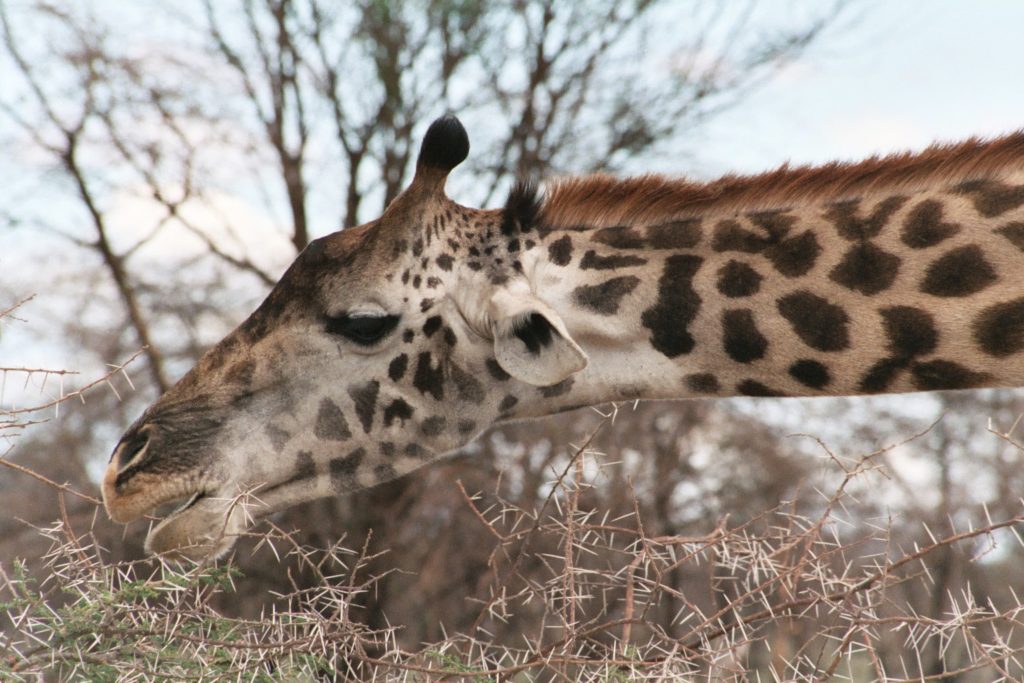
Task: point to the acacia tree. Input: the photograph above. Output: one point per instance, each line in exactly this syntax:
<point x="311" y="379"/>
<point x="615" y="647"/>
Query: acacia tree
<point x="312" y="110"/>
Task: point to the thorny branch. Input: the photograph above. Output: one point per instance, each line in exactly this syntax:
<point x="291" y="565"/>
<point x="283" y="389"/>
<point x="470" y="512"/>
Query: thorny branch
<point x="141" y="607"/>
<point x="119" y="369"/>
<point x="13" y="418"/>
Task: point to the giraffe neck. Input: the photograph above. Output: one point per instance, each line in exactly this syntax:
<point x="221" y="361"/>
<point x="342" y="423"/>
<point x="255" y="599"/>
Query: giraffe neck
<point x="893" y="291"/>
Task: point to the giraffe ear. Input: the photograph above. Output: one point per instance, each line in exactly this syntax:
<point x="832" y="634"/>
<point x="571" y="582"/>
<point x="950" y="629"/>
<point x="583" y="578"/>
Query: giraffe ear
<point x="531" y="342"/>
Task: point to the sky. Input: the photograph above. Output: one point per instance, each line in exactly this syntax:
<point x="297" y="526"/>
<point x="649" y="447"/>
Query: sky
<point x="892" y="76"/>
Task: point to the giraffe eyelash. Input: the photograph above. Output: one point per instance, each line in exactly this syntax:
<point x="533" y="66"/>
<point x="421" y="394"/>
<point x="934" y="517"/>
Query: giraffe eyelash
<point x="365" y="330"/>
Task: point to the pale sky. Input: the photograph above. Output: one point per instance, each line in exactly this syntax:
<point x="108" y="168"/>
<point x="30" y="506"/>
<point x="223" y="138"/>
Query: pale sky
<point x="900" y="74"/>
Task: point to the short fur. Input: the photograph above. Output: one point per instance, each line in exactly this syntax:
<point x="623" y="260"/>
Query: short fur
<point x="897" y="274"/>
<point x="602" y="200"/>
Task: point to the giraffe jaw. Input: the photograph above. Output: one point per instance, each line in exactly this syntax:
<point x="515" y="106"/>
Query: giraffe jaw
<point x="204" y="528"/>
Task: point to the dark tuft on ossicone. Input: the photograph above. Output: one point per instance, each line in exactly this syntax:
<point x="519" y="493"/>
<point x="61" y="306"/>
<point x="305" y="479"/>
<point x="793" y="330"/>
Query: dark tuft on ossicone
<point x="521" y="208"/>
<point x="446" y="144"/>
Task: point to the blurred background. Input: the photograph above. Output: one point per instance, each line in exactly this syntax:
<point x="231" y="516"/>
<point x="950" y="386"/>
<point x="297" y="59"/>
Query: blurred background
<point x="163" y="163"/>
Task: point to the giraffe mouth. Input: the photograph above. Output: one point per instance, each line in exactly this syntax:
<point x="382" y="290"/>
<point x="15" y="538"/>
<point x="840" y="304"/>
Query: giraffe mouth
<point x="194" y="519"/>
<point x="202" y="523"/>
<point x="189" y="502"/>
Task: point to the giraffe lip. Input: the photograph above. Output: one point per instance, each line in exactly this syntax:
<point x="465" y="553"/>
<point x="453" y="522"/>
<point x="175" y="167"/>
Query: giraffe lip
<point x="154" y="494"/>
<point x="177" y="504"/>
<point x="159" y="509"/>
<point x="182" y="504"/>
<point x="189" y="502"/>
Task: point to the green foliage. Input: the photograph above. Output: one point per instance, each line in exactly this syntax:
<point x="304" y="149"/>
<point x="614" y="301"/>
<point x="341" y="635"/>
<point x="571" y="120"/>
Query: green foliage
<point x="456" y="663"/>
<point x="89" y="620"/>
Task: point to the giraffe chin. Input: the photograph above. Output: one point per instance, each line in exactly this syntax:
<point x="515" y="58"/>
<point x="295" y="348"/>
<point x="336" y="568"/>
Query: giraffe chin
<point x="206" y="528"/>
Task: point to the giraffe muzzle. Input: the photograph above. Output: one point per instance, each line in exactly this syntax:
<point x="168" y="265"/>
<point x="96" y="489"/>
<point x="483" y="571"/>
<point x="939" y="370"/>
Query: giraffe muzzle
<point x="160" y="462"/>
<point x="139" y="479"/>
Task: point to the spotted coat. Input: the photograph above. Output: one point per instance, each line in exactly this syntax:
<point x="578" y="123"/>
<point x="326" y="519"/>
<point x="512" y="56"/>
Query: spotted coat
<point x="385" y="346"/>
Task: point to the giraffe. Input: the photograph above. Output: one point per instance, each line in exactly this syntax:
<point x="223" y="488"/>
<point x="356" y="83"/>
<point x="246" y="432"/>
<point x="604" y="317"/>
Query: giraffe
<point x="391" y="344"/>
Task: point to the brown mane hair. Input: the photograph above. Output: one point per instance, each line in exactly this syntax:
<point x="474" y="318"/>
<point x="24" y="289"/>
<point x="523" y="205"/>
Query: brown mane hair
<point x="602" y="200"/>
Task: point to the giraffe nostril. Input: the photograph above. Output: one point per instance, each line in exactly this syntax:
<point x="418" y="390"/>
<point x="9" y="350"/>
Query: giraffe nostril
<point x="131" y="450"/>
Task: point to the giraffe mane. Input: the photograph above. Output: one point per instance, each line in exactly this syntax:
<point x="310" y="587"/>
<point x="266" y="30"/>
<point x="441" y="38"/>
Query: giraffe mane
<point x="603" y="200"/>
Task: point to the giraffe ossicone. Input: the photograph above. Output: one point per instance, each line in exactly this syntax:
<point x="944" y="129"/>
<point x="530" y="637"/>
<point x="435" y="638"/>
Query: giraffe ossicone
<point x="385" y="346"/>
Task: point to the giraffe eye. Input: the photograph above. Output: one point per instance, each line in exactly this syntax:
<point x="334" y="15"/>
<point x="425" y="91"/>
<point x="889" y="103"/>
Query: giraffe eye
<point x="362" y="329"/>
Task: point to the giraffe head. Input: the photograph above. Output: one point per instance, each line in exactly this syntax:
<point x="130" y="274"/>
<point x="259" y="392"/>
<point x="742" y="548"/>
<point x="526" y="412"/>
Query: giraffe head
<point x="380" y="348"/>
